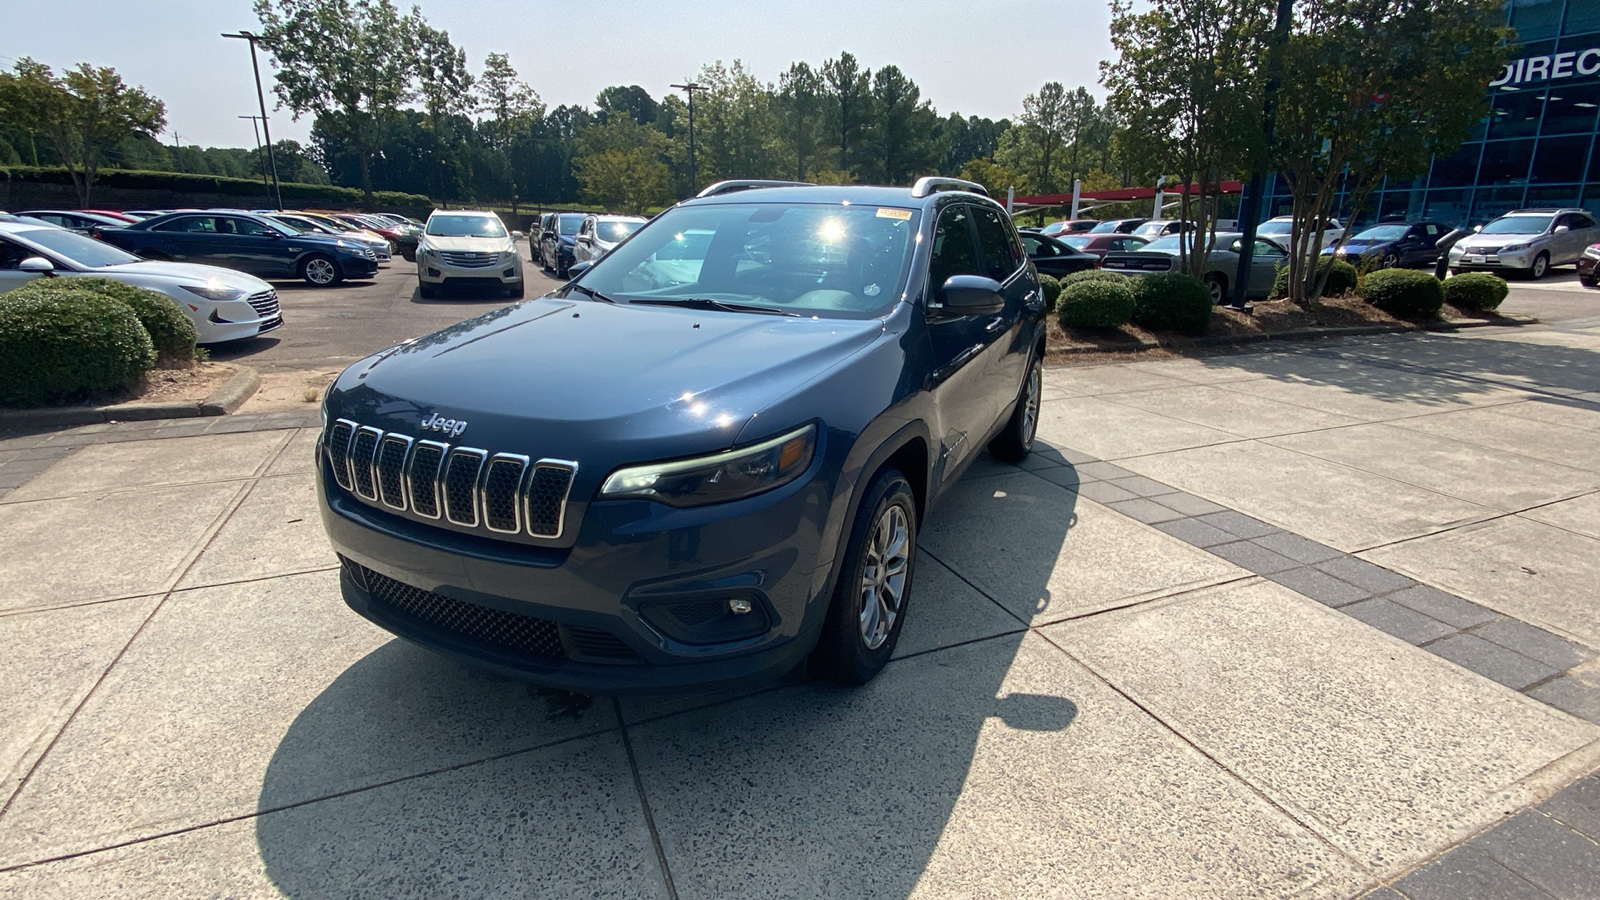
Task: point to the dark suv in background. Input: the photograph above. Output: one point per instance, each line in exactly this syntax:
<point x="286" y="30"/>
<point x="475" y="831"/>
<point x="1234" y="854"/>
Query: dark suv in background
<point x="557" y="240"/>
<point x="704" y="459"/>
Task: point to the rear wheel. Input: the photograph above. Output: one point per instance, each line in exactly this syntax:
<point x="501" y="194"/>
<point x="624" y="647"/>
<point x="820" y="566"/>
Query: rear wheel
<point x="869" y="602"/>
<point x="1218" y="286"/>
<point x="1016" y="441"/>
<point x="1540" y="267"/>
<point x="320" y="271"/>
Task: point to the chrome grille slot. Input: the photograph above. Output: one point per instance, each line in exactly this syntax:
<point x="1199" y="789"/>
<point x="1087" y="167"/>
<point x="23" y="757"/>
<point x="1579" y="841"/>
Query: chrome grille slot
<point x="362" y="450"/>
<point x="469" y="260"/>
<point x="422" y="478"/>
<point x="546" y="498"/>
<point x="264" y="303"/>
<point x="500" y="484"/>
<point x="392" y="452"/>
<point x="461" y="485"/>
<point x="338" y="444"/>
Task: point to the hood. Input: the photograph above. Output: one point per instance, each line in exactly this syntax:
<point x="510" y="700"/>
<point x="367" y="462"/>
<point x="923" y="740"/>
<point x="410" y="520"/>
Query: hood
<point x="1496" y="241"/>
<point x="597" y="383"/>
<point x="190" y="273"/>
<point x="469" y="244"/>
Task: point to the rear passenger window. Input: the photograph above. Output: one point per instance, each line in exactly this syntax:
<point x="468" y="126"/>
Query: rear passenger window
<point x="1000" y="257"/>
<point x="953" y="252"/>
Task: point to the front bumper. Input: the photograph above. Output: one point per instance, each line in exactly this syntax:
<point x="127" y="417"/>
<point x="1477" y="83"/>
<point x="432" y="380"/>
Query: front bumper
<point x="431" y="269"/>
<point x="1478" y="259"/>
<point x="608" y="614"/>
<point x="358" y="266"/>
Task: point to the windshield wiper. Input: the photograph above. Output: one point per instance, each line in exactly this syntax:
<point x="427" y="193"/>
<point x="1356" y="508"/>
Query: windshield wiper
<point x="592" y="293"/>
<point x="709" y="303"/>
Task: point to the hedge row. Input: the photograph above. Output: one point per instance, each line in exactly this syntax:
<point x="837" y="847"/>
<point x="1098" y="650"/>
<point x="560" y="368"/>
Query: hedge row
<point x="137" y="179"/>
<point x="1164" y="302"/>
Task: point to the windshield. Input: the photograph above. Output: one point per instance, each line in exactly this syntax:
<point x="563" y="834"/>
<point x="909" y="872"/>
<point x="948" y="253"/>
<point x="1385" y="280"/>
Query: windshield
<point x="811" y="259"/>
<point x="1383" y="233"/>
<point x="1077" y="241"/>
<point x="466" y="226"/>
<point x="1518" y="225"/>
<point x="85" y="251"/>
<point x="612" y="232"/>
<point x="1106" y="227"/>
<point x="571" y="224"/>
<point x="1274" y="227"/>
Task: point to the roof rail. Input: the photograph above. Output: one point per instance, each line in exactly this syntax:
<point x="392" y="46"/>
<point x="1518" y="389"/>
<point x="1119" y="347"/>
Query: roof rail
<point x="932" y="184"/>
<point x="745" y="184"/>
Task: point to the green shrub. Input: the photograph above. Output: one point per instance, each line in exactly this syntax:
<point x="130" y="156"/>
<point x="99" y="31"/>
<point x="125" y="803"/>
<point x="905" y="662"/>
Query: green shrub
<point x="1093" y="275"/>
<point x="1051" y="289"/>
<point x="180" y="182"/>
<point x="1403" y="292"/>
<point x="1172" y="302"/>
<point x="1095" y="303"/>
<point x="60" y="345"/>
<point x="170" y="328"/>
<point x="1475" y="291"/>
<point x="1342" y="278"/>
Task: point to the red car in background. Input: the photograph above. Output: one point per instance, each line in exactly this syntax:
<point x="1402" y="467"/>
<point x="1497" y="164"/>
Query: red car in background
<point x="403" y="238"/>
<point x="1101" y="244"/>
<point x="111" y="213"/>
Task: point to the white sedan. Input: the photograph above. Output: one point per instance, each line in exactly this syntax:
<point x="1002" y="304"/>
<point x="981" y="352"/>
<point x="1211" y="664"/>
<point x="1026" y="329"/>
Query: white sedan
<point x="598" y="234"/>
<point x="224" y="305"/>
<point x="1278" y="229"/>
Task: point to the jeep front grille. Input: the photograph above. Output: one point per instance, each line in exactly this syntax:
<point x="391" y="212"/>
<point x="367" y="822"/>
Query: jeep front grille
<point x="503" y="493"/>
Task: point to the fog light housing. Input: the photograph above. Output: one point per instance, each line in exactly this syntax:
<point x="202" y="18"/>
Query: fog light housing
<point x="708" y="620"/>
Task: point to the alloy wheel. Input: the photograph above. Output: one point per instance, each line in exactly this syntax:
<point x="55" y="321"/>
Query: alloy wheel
<point x="1030" y="403"/>
<point x="884" y="568"/>
<point x="320" y="271"/>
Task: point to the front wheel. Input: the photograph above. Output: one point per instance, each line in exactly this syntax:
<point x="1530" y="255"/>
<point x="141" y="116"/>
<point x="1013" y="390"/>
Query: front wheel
<point x="1540" y="267"/>
<point x="320" y="271"/>
<point x="1390" y="260"/>
<point x="1218" y="286"/>
<point x="426" y="290"/>
<point x="869" y="602"/>
<point x="1016" y="441"/>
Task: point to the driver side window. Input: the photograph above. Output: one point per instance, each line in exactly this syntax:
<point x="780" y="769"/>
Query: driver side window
<point x="12" y="255"/>
<point x="953" y="250"/>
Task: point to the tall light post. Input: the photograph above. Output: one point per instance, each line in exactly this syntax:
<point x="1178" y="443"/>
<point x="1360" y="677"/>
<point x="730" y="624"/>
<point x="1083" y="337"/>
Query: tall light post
<point x="260" y="159"/>
<point x="689" y="88"/>
<point x="277" y="192"/>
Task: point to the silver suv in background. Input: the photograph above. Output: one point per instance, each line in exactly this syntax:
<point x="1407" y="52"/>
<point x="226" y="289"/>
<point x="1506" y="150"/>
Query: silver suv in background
<point x="1527" y="240"/>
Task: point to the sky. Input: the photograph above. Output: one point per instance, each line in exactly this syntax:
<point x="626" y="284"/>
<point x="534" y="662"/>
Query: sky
<point x="976" y="57"/>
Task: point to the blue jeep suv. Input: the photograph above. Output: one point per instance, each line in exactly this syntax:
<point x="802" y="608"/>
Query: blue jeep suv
<point x="703" y="459"/>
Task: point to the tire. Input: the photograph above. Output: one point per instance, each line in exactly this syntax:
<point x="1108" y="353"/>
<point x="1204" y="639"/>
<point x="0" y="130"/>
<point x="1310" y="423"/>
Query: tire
<point x="1218" y="286"/>
<point x="427" y="290"/>
<point x="1540" y="267"/>
<point x="1016" y="441"/>
<point x="1390" y="261"/>
<point x="515" y="293"/>
<point x="320" y="271"/>
<point x="544" y="261"/>
<point x="854" y="646"/>
<point x="1588" y="280"/>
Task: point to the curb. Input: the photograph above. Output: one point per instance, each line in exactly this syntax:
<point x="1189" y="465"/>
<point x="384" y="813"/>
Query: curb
<point x="225" y="399"/>
<point x="1300" y="334"/>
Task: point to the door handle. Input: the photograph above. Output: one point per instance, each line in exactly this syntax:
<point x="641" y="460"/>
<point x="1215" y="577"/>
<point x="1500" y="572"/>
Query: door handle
<point x="995" y="324"/>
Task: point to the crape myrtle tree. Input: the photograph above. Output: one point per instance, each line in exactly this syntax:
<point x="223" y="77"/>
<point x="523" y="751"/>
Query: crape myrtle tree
<point x="83" y="113"/>
<point x="1186" y="88"/>
<point x="1372" y="89"/>
<point x="351" y="63"/>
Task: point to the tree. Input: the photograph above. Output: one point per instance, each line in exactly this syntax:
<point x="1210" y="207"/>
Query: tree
<point x="513" y="108"/>
<point x="902" y="131"/>
<point x="1186" y="86"/>
<point x="849" y="104"/>
<point x="447" y="96"/>
<point x="1043" y="131"/>
<point x="620" y="166"/>
<point x="799" y="105"/>
<point x="1372" y="90"/>
<point x="351" y="63"/>
<point x="82" y="114"/>
<point x="968" y="139"/>
<point x="632" y="101"/>
<point x="736" y="125"/>
<point x="996" y="177"/>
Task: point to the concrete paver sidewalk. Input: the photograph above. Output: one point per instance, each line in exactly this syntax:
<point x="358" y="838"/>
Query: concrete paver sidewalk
<point x="1307" y="623"/>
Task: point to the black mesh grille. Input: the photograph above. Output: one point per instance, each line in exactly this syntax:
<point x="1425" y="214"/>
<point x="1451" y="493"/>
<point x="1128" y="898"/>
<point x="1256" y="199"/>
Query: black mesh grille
<point x="461" y="487"/>
<point x="500" y="493"/>
<point x="391" y="462"/>
<point x="524" y="635"/>
<point x="361" y="451"/>
<point x="339" y="452"/>
<point x="424" y="476"/>
<point x="593" y="642"/>
<point x="692" y="614"/>
<point x="547" y="491"/>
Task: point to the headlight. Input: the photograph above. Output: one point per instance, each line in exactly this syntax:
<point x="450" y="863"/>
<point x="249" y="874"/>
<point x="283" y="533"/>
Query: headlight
<point x="721" y="477"/>
<point x="1513" y="248"/>
<point x="215" y="292"/>
<point x="1592" y="252"/>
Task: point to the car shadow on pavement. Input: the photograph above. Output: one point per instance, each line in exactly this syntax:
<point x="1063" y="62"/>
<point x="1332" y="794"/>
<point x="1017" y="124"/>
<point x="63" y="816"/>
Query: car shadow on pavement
<point x="412" y="774"/>
<point x="242" y="348"/>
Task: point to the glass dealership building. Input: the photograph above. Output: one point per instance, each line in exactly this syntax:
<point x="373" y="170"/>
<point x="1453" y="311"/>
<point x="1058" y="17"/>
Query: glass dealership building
<point x="1537" y="148"/>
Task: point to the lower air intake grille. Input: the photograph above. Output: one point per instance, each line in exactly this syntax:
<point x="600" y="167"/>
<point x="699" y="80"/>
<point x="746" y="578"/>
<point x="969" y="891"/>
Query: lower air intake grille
<point x="523" y="635"/>
<point x="594" y="643"/>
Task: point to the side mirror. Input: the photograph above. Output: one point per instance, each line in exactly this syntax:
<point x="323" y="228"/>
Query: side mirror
<point x="971" y="295"/>
<point x="1477" y="228"/>
<point x="517" y="235"/>
<point x="1562" y="229"/>
<point x="583" y="239"/>
<point x="578" y="268"/>
<point x="37" y="265"/>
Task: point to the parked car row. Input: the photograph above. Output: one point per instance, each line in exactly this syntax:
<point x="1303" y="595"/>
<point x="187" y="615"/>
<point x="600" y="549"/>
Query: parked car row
<point x="559" y="240"/>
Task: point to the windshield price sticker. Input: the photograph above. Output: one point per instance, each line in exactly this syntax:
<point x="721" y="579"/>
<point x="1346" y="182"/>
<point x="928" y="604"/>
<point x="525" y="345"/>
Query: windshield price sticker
<point x="885" y="212"/>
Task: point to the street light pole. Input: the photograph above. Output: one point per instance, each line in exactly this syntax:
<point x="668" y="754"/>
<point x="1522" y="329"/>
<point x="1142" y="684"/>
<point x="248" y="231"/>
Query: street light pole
<point x="261" y="160"/>
<point x="690" y="88"/>
<point x="261" y="98"/>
